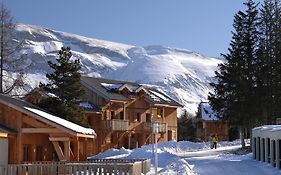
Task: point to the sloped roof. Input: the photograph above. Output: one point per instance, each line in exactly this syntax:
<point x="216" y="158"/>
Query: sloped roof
<point x="109" y="90"/>
<point x="98" y="85"/>
<point x="43" y="116"/>
<point x="6" y="129"/>
<point x="157" y="97"/>
<point x="206" y="111"/>
<point x="88" y="106"/>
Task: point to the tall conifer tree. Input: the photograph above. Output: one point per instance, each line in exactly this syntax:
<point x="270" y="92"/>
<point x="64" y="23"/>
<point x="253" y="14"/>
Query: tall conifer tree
<point x="65" y="87"/>
<point x="269" y="60"/>
<point x="235" y="89"/>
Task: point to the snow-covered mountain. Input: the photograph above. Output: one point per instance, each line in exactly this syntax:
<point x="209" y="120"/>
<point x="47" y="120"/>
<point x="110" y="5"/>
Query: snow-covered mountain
<point x="182" y="74"/>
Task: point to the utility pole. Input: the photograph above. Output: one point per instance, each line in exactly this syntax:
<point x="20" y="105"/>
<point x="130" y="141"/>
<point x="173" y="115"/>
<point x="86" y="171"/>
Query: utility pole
<point x="155" y="131"/>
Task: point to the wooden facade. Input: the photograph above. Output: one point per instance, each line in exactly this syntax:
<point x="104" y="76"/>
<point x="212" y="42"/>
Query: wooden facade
<point x="38" y="137"/>
<point x="124" y="116"/>
<point x="204" y="129"/>
<point x="207" y="123"/>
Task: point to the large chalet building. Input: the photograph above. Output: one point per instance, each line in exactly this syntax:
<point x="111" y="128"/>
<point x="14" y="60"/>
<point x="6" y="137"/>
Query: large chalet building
<point x="122" y="113"/>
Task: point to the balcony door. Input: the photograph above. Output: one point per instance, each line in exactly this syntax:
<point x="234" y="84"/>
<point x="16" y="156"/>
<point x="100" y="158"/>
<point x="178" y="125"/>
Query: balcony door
<point x="148" y="118"/>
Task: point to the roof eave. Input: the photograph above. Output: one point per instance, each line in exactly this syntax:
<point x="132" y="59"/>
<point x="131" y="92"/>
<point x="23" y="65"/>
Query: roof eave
<point x="71" y="132"/>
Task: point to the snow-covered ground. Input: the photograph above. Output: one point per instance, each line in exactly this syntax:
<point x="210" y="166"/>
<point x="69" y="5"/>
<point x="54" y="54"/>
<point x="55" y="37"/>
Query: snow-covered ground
<point x="188" y="158"/>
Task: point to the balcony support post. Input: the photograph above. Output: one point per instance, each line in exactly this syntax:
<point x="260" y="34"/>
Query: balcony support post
<point x="129" y="140"/>
<point x="124" y="111"/>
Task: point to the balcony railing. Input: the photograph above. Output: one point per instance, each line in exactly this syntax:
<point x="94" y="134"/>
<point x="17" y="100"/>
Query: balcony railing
<point x="116" y="125"/>
<point x="162" y="127"/>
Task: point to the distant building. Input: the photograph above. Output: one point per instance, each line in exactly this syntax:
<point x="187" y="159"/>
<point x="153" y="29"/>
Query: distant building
<point x="208" y="123"/>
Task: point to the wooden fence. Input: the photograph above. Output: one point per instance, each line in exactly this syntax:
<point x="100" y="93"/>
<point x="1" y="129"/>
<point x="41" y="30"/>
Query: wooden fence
<point x="93" y="167"/>
<point x="145" y="163"/>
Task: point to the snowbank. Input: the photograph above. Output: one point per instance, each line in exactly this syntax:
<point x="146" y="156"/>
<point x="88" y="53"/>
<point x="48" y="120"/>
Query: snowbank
<point x="169" y="155"/>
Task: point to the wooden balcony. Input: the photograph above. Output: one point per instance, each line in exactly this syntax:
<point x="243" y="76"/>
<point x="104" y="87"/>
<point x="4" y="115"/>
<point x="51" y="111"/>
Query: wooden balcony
<point x="162" y="127"/>
<point x="116" y="125"/>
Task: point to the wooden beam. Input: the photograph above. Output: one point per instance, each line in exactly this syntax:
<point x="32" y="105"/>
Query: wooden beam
<point x="3" y="134"/>
<point x="41" y="130"/>
<point x="58" y="150"/>
<point x="19" y="145"/>
<point x="76" y="148"/>
<point x="55" y="139"/>
<point x="66" y="145"/>
<point x="33" y="122"/>
<point x="86" y="136"/>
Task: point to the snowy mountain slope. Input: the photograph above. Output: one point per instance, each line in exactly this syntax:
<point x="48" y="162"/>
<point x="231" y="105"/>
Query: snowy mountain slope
<point x="182" y="74"/>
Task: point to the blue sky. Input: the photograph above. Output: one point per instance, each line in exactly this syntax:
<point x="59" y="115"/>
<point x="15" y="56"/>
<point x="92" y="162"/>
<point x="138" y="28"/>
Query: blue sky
<point x="203" y="26"/>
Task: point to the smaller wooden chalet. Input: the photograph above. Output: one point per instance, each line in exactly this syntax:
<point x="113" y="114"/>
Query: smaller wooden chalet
<point x="122" y="113"/>
<point x="31" y="134"/>
<point x="207" y="123"/>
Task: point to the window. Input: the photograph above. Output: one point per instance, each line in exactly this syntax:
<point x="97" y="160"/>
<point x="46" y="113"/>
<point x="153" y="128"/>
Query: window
<point x="148" y="117"/>
<point x="122" y="115"/>
<point x="39" y="153"/>
<point x="112" y="114"/>
<point x="26" y="152"/>
<point x="138" y="117"/>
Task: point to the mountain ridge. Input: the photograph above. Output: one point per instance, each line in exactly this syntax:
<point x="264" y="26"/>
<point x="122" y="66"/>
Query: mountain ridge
<point x="182" y="74"/>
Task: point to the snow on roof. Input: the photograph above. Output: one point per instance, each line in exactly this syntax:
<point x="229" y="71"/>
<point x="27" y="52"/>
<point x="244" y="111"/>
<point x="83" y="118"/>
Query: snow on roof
<point x="86" y="105"/>
<point x="268" y="128"/>
<point x="135" y="87"/>
<point x="63" y="122"/>
<point x="140" y="88"/>
<point x="89" y="106"/>
<point x="160" y="96"/>
<point x="117" y="86"/>
<point x="207" y="112"/>
<point x="111" y="87"/>
<point x="154" y="97"/>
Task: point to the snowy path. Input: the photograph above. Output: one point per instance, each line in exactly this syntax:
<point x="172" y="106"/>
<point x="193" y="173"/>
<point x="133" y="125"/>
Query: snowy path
<point x="189" y="158"/>
<point x="217" y="162"/>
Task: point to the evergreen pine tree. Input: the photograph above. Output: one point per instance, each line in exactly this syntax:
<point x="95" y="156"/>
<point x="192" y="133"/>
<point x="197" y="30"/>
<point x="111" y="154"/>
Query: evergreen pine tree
<point x="235" y="91"/>
<point x="186" y="128"/>
<point x="277" y="62"/>
<point x="268" y="62"/>
<point x="65" y="87"/>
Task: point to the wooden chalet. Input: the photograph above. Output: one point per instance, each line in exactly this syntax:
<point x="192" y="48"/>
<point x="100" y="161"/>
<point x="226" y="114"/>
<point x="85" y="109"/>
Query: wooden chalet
<point x="28" y="133"/>
<point x="207" y="123"/>
<point x="122" y="113"/>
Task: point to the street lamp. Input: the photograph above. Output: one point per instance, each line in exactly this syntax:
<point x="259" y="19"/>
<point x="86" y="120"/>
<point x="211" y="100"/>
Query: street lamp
<point x="155" y="131"/>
